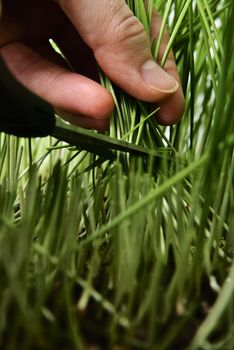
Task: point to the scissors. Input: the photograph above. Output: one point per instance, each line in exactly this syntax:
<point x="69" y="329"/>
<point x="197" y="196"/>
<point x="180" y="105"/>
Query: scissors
<point x="24" y="114"/>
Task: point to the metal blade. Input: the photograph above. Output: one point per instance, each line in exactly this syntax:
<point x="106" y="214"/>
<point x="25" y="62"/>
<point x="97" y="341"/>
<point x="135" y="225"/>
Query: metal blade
<point x="98" y="144"/>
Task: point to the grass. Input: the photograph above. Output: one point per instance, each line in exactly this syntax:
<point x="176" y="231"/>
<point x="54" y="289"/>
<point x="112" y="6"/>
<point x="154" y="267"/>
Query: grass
<point x="130" y="254"/>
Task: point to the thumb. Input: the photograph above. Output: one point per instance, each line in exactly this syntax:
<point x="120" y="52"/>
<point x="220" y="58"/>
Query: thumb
<point x="121" y="47"/>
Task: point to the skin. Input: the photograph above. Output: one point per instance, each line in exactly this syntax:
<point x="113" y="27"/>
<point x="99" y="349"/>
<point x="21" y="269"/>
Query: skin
<point x="89" y="33"/>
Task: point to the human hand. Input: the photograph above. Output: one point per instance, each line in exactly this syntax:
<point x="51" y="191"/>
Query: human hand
<point x="88" y="33"/>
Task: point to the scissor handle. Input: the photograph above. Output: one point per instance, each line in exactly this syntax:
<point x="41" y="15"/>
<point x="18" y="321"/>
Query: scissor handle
<point x="21" y="112"/>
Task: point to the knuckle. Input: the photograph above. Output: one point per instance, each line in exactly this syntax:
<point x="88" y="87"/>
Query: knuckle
<point x="124" y="28"/>
<point x="130" y="28"/>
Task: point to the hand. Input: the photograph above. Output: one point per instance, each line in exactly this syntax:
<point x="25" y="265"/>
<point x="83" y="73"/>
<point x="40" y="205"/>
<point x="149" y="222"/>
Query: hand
<point x="88" y="33"/>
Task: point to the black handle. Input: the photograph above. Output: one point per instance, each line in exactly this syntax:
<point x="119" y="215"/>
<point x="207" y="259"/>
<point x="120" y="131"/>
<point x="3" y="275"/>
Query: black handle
<point x="21" y="112"/>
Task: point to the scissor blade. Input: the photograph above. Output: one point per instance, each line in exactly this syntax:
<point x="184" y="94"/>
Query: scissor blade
<point x="95" y="143"/>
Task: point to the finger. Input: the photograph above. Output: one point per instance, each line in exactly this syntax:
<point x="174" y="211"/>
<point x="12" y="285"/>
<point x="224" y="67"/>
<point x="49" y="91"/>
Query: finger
<point x="66" y="91"/>
<point x="121" y="47"/>
<point x="47" y="52"/>
<point x="172" y="108"/>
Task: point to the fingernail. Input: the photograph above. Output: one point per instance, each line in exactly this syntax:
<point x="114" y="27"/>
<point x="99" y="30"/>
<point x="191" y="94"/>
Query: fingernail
<point x="157" y="78"/>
